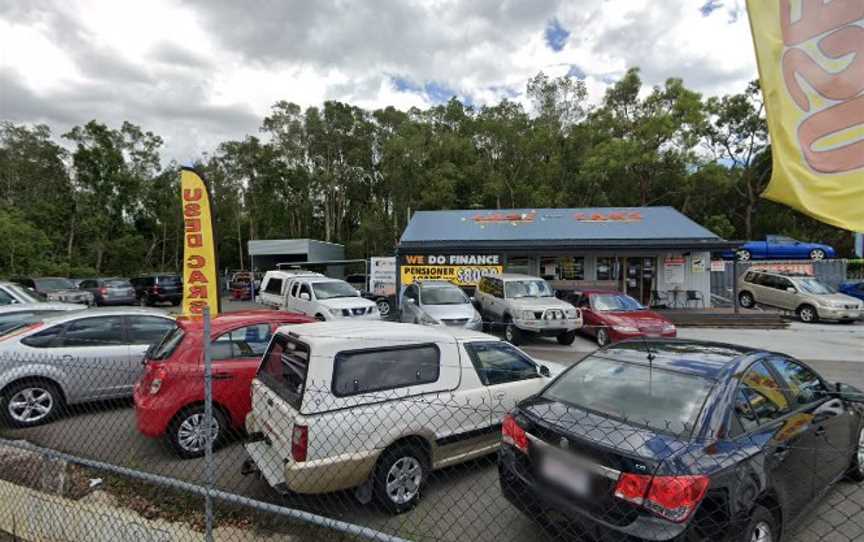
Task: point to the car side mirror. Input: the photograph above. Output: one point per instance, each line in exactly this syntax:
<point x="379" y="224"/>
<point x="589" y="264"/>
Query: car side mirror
<point x="304" y="296"/>
<point x="544" y="371"/>
<point x="848" y="393"/>
<point x="791" y="290"/>
<point x="356" y="291"/>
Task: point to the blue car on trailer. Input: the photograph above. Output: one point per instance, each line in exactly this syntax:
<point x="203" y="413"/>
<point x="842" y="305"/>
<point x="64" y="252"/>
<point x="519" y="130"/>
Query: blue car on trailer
<point x="778" y="247"/>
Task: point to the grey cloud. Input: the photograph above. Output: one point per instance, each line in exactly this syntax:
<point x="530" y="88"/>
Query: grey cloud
<point x="171" y="54"/>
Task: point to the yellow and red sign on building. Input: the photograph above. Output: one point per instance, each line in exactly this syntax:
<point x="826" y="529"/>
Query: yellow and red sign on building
<point x="811" y="69"/>
<point x="200" y="281"/>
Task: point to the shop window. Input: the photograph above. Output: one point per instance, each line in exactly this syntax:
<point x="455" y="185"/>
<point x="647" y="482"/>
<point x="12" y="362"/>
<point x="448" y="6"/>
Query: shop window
<point x="607" y="268"/>
<point x="563" y="268"/>
<point x="520" y="265"/>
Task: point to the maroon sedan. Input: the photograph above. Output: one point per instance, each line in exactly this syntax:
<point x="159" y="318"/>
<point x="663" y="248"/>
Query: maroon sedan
<point x="612" y="316"/>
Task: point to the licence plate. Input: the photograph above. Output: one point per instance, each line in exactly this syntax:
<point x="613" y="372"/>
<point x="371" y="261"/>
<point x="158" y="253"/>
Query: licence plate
<point x="568" y="476"/>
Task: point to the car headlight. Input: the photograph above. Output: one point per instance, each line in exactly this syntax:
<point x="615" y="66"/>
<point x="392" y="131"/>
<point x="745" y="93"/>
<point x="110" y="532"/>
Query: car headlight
<point x="669" y="328"/>
<point x="336" y="312"/>
<point x="626" y="329"/>
<point x="476" y="318"/>
<point x="527" y="315"/>
<point x="571" y="313"/>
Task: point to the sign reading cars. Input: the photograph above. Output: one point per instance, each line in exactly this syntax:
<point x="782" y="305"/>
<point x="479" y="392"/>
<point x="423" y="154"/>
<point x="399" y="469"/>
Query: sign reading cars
<point x="460" y="269"/>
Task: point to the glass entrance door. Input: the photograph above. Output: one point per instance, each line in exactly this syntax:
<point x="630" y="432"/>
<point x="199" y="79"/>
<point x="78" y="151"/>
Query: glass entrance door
<point x="639" y="275"/>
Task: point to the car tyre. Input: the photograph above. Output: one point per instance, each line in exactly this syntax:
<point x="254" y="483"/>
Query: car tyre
<point x="602" y="337"/>
<point x="856" y="471"/>
<point x="743" y="255"/>
<point x="762" y="527"/>
<point x="399" y="478"/>
<point x="29" y="403"/>
<point x="185" y="432"/>
<point x="566" y="338"/>
<point x="808" y="314"/>
<point x="745" y="299"/>
<point x="512" y="334"/>
<point x="817" y="254"/>
<point x="383" y="307"/>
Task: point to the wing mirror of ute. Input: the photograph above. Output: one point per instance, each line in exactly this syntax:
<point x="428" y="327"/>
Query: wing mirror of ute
<point x="848" y="393"/>
<point x="791" y="290"/>
<point x="304" y="296"/>
<point x="544" y="371"/>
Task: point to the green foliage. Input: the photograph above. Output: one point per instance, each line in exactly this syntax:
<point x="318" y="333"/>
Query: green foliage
<point x="344" y="174"/>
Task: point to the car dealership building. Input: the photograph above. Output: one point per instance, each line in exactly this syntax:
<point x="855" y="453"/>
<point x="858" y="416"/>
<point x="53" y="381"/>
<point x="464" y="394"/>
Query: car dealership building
<point x="643" y="251"/>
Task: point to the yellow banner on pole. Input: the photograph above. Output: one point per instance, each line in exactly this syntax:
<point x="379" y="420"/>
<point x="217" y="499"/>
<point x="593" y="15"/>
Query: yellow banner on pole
<point x="200" y="280"/>
<point x="811" y="69"/>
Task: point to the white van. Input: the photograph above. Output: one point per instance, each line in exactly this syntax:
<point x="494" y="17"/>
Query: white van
<point x="381" y="407"/>
<point x="325" y="299"/>
<point x="273" y="286"/>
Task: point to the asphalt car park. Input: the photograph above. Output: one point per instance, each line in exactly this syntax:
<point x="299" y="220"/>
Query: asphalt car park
<point x="835" y="351"/>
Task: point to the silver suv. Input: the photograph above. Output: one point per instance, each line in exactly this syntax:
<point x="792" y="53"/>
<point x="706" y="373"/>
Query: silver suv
<point x="526" y="304"/>
<point x="810" y="298"/>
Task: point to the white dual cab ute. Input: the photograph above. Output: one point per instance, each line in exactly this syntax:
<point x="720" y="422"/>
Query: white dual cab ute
<point x="315" y="295"/>
<point x="525" y="304"/>
<point x="382" y="405"/>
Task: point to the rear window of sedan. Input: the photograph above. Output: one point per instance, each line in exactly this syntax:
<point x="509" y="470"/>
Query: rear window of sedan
<point x="665" y="401"/>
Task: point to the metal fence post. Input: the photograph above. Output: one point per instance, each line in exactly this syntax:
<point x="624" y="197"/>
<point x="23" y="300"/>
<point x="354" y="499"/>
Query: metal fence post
<point x="208" y="433"/>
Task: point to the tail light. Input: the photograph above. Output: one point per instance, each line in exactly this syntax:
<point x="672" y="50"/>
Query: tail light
<point x="159" y="374"/>
<point x="103" y="291"/>
<point x="671" y="497"/>
<point x="154" y="289"/>
<point x="514" y="435"/>
<point x="299" y="443"/>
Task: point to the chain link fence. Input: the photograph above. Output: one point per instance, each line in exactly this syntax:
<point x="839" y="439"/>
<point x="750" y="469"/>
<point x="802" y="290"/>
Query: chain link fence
<point x="402" y="440"/>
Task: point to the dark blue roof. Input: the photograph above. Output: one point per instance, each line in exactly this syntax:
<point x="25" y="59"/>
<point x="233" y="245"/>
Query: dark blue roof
<point x="590" y="227"/>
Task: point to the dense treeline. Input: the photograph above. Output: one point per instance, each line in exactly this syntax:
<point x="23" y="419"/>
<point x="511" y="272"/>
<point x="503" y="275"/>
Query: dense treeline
<point x="103" y="203"/>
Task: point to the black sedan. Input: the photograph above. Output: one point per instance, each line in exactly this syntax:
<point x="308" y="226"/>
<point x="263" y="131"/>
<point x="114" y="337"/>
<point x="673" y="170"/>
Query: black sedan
<point x="680" y="440"/>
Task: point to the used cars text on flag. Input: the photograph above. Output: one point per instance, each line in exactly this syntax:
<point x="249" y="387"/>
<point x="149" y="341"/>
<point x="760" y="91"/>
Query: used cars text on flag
<point x="200" y="280"/>
<point x="811" y="68"/>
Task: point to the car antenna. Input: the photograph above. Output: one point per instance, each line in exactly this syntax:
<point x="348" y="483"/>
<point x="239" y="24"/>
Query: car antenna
<point x="651" y="357"/>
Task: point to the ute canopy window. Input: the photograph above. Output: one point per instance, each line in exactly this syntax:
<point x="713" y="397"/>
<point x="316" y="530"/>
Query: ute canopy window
<point x="380" y="369"/>
<point x="665" y="401"/>
<point x="284" y="369"/>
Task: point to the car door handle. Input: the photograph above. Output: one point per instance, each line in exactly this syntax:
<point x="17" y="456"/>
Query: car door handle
<point x="222" y="376"/>
<point x="781" y="451"/>
<point x="820" y="431"/>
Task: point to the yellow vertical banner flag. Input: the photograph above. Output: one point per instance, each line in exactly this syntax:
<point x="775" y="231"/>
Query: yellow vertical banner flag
<point x="200" y="280"/>
<point x="811" y="69"/>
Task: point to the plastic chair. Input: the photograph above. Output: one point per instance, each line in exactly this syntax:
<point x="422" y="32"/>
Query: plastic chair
<point x="695" y="297"/>
<point x="658" y="299"/>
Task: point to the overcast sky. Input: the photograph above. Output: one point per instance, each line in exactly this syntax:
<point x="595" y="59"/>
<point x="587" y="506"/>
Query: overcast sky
<point x="204" y="71"/>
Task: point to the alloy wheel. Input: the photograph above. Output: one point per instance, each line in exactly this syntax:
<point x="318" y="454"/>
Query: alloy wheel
<point x="746" y="300"/>
<point x="807" y="314"/>
<point x="602" y="337"/>
<point x="817" y="254"/>
<point x="508" y="333"/>
<point x="861" y="452"/>
<point x="383" y="307"/>
<point x="403" y="480"/>
<point x="31" y="405"/>
<point x="761" y="533"/>
<point x="191" y="436"/>
<point x="744" y="255"/>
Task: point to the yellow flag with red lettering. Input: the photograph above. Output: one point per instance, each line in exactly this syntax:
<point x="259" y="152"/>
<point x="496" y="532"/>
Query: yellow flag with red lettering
<point x="200" y="280"/>
<point x="811" y="68"/>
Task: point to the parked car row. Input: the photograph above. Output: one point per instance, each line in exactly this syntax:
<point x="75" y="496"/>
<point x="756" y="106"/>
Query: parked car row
<point x="145" y="290"/>
<point x="652" y="438"/>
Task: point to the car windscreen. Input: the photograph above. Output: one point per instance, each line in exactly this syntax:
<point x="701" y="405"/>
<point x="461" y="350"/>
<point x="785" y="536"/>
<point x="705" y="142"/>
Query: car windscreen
<point x="526" y="288"/>
<point x="283" y="369"/>
<point x="443" y="295"/>
<point x="333" y="289"/>
<point x="164" y="348"/>
<point x="665" y="401"/>
<point x="169" y="280"/>
<point x="54" y="284"/>
<point x="25" y="295"/>
<point x="117" y="283"/>
<point x="815" y="286"/>
<point x="615" y="302"/>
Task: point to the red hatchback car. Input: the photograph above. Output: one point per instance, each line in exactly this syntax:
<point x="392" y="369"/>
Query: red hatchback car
<point x="612" y="316"/>
<point x="169" y="397"/>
